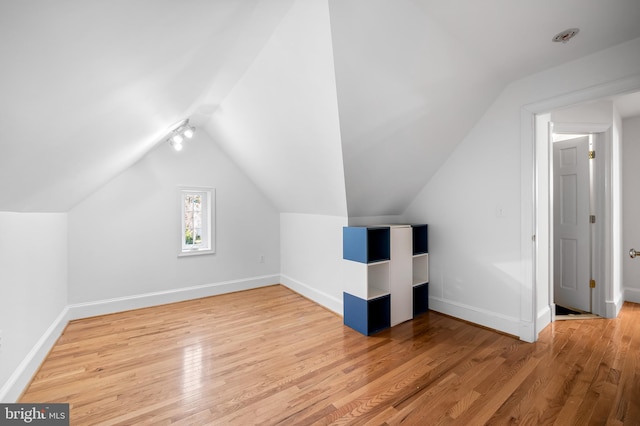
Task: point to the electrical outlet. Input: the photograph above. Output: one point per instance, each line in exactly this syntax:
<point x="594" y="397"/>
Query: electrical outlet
<point x="261" y="258"/>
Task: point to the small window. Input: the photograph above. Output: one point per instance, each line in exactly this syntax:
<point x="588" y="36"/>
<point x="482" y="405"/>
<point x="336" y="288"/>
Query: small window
<point x="197" y="223"/>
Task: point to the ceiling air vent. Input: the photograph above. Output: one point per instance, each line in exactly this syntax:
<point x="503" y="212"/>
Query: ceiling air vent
<point x="566" y="35"/>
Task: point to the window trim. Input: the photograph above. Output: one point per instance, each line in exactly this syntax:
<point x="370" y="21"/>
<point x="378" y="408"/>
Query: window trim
<point x="208" y="217"/>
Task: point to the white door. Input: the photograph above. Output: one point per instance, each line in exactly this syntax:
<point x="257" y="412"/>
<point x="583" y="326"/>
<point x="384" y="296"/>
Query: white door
<point x="571" y="259"/>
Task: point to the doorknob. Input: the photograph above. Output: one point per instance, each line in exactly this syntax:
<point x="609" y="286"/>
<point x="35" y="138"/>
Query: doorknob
<point x="633" y="253"/>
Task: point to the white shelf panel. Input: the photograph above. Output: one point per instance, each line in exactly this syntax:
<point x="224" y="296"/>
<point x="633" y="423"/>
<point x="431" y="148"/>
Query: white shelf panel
<point x="374" y="293"/>
<point x="378" y="263"/>
<point x="400" y="274"/>
<point x="377" y="279"/>
<point x="420" y="269"/>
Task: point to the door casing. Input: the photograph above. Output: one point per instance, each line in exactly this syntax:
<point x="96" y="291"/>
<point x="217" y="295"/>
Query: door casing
<point x="535" y="301"/>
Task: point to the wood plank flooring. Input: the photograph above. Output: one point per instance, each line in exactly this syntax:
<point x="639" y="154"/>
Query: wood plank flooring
<point x="269" y="356"/>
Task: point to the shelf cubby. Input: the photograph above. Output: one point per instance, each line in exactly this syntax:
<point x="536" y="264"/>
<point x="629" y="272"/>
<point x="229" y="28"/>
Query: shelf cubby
<point x="420" y="239"/>
<point x="365" y="244"/>
<point x="377" y="279"/>
<point x="420" y="299"/>
<point x="366" y="316"/>
<point x="420" y="269"/>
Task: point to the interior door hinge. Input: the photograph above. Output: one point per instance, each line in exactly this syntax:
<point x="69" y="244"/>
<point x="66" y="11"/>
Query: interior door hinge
<point x="592" y="218"/>
<point x="592" y="155"/>
<point x="592" y="284"/>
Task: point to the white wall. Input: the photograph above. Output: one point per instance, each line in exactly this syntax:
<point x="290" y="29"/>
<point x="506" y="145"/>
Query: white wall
<point x="311" y="250"/>
<point x="473" y="203"/>
<point x="375" y="220"/>
<point x="631" y="207"/>
<point x="33" y="292"/>
<point x="472" y="207"/>
<point x="124" y="239"/>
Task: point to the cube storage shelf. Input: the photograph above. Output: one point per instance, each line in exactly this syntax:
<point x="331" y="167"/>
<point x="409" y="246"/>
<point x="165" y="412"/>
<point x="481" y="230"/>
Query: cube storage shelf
<point x="386" y="275"/>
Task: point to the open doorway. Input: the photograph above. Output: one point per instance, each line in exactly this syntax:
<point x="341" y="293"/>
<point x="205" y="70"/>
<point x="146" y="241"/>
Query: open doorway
<point x="602" y="282"/>
<point x="536" y="238"/>
<point x="596" y="273"/>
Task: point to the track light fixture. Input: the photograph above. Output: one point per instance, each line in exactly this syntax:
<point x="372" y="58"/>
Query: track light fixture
<point x="179" y="132"/>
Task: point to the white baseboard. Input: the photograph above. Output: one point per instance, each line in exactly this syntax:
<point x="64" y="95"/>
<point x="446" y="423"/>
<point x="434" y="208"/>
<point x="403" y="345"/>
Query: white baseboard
<point x="314" y="294"/>
<point x="479" y="316"/>
<point x="527" y="332"/>
<point x="612" y="307"/>
<point x="22" y="375"/>
<point x="545" y="317"/>
<point x="632" y="295"/>
<point x="120" y="304"/>
<point x="15" y="385"/>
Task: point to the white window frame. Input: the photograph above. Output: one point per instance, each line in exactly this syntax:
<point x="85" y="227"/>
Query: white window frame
<point x="207" y="246"/>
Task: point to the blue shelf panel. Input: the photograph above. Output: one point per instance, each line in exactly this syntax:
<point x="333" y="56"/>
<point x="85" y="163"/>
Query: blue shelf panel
<point x="420" y="239"/>
<point x="366" y="245"/>
<point x="354" y="244"/>
<point x="420" y="299"/>
<point x="367" y="316"/>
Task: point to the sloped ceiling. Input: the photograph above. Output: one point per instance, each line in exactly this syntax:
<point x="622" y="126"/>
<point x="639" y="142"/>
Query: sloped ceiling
<point x="280" y="121"/>
<point x="414" y="76"/>
<point x="330" y="106"/>
<point x="407" y="93"/>
<point x="88" y="87"/>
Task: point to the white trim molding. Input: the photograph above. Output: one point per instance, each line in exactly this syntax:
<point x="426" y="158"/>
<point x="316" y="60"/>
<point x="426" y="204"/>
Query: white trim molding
<point x="545" y="317"/>
<point x="314" y="294"/>
<point x="632" y="295"/>
<point x="138" y="301"/>
<point x="613" y="306"/>
<point x="22" y="375"/>
<point x="503" y="323"/>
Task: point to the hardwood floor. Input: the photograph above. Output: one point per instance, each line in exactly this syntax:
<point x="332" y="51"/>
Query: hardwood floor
<point x="269" y="356"/>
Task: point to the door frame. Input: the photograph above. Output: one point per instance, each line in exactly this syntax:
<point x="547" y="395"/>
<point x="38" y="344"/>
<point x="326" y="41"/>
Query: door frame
<point x="535" y="300"/>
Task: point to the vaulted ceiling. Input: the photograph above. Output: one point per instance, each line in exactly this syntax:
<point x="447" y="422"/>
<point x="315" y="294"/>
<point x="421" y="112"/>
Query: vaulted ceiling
<point x="340" y="107"/>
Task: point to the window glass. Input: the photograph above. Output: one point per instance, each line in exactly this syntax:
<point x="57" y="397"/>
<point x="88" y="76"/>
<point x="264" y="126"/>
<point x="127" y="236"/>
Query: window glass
<point x="197" y="214"/>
